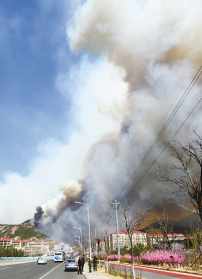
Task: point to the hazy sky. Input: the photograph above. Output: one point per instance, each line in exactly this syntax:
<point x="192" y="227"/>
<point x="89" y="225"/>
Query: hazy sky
<point x="33" y="49"/>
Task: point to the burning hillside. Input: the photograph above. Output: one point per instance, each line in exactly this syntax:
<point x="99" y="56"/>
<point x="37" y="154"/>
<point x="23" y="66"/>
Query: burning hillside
<point x="177" y="218"/>
<point x="140" y="58"/>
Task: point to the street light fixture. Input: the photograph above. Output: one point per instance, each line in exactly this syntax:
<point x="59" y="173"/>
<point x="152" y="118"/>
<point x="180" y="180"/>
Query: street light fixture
<point x="81" y="236"/>
<point x="89" y="227"/>
<point x="116" y="205"/>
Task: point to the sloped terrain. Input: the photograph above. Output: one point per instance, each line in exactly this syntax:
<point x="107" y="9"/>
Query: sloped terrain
<point x="21" y="231"/>
<point x="178" y="218"/>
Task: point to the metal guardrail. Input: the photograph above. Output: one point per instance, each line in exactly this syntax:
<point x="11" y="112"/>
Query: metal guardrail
<point x="125" y="271"/>
<point x="128" y="272"/>
<point x="17" y="258"/>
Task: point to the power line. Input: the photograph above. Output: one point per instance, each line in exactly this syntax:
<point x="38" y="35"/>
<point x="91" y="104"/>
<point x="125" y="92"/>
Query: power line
<point x="161" y="152"/>
<point x="198" y="103"/>
<point x="174" y="111"/>
<point x="181" y="100"/>
<point x="176" y="132"/>
<point x="171" y="116"/>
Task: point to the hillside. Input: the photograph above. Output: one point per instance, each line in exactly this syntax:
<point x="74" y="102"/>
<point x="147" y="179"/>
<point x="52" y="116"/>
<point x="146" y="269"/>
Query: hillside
<point x="179" y="219"/>
<point x="21" y="231"/>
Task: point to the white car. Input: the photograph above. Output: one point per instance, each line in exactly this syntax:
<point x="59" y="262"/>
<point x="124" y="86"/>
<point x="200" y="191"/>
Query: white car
<point x="42" y="260"/>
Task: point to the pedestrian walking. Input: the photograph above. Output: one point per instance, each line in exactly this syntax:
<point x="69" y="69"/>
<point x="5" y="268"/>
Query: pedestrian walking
<point x="82" y="263"/>
<point x="79" y="265"/>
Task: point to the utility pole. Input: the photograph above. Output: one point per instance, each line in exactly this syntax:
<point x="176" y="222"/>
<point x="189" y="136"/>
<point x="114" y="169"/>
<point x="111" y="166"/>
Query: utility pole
<point x="81" y="237"/>
<point x="116" y="205"/>
<point x="89" y="227"/>
<point x="89" y="232"/>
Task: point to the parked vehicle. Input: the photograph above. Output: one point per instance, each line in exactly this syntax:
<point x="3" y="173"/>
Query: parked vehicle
<point x="70" y="265"/>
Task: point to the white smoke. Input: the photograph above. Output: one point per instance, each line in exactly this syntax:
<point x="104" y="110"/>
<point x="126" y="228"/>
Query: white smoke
<point x="135" y="33"/>
<point x="147" y="54"/>
<point x="139" y="57"/>
<point x="157" y="45"/>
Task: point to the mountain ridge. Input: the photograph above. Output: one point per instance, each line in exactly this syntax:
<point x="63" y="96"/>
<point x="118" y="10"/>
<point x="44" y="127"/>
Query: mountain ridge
<point x="23" y="231"/>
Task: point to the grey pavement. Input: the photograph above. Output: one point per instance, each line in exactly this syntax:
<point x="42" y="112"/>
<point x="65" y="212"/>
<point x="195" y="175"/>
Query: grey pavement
<point x="145" y="275"/>
<point x="34" y="271"/>
<point x="98" y="275"/>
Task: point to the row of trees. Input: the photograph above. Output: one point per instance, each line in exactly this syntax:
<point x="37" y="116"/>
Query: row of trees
<point x="11" y="252"/>
<point x="185" y="171"/>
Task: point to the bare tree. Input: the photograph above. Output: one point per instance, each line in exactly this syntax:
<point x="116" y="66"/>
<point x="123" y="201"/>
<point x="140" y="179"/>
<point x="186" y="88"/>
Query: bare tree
<point x="106" y="243"/>
<point x="188" y="172"/>
<point x="129" y="226"/>
<point x="165" y="229"/>
<point x="196" y="241"/>
<point x="130" y="223"/>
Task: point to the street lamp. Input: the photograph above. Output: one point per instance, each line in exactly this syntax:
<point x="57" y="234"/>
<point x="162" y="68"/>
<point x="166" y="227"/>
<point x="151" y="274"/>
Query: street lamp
<point x="81" y="236"/>
<point x="116" y="205"/>
<point x="89" y="227"/>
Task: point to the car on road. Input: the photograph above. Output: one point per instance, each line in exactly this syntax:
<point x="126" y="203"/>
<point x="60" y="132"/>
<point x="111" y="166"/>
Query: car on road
<point x="70" y="265"/>
<point x="42" y="260"/>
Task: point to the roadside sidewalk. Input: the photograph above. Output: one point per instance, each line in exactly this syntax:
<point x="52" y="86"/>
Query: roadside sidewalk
<point x="98" y="274"/>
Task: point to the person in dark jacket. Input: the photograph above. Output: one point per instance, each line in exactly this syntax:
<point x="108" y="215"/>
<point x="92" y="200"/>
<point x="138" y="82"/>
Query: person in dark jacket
<point x="81" y="262"/>
<point x="79" y="265"/>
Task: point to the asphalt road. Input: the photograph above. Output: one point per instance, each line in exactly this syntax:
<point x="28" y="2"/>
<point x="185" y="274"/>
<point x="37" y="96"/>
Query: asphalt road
<point x="34" y="271"/>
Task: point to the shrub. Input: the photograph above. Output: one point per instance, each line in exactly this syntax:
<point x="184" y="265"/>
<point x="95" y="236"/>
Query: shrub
<point x="163" y="256"/>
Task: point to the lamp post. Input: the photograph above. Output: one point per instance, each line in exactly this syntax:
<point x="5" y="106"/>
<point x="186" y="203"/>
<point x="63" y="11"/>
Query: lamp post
<point x="81" y="236"/>
<point x="115" y="205"/>
<point x="89" y="228"/>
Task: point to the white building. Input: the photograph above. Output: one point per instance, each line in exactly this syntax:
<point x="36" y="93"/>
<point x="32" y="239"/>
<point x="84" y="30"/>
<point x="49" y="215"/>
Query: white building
<point x="143" y="238"/>
<point x="158" y="238"/>
<point x="138" y="237"/>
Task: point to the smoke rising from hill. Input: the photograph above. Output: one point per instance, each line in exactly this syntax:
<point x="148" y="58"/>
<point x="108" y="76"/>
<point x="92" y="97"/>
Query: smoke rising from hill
<point x="146" y="54"/>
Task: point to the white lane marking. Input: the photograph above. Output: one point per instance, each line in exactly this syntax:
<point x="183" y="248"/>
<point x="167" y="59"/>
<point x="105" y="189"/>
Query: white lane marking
<point x="4" y="268"/>
<point x="50" y="271"/>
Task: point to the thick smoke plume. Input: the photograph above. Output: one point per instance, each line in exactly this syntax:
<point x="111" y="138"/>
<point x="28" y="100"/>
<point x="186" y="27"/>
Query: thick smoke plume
<point x="146" y="54"/>
<point x="53" y="209"/>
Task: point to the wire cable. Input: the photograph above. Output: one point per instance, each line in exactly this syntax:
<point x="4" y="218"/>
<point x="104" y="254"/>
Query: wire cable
<point x="170" y="118"/>
<point x="174" y="111"/>
<point x="154" y="161"/>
